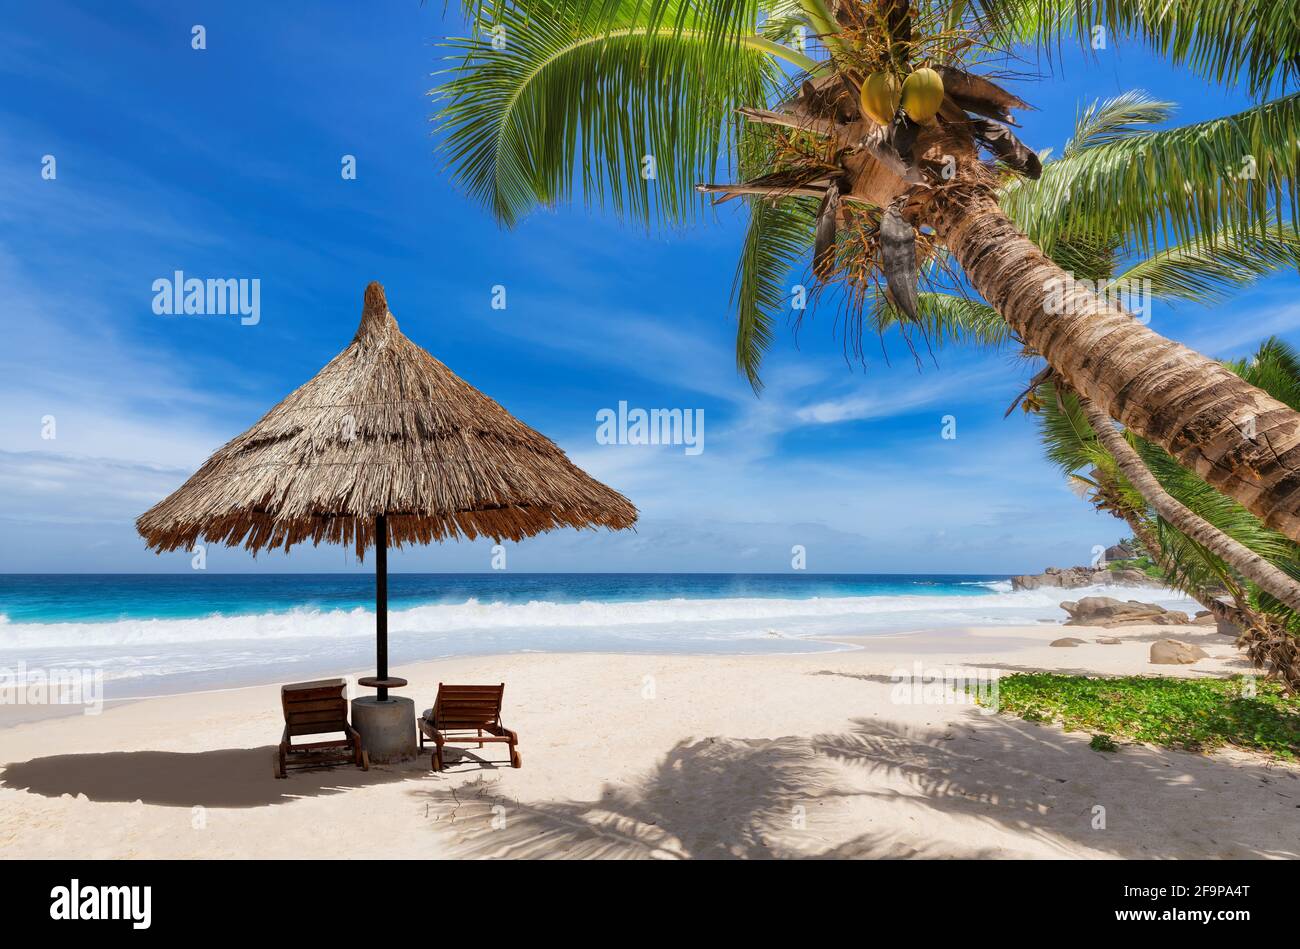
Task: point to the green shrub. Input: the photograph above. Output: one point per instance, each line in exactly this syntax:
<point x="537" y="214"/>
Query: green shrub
<point x="1194" y="714"/>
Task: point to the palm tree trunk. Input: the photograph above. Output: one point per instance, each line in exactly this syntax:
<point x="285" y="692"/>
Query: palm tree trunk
<point x="1236" y="437"/>
<point x="1234" y="615"/>
<point x="1267" y="643"/>
<point x="1236" y="555"/>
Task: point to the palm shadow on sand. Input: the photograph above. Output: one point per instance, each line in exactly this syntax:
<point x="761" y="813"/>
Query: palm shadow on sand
<point x="743" y="789"/>
<point x="736" y="799"/>
<point x="229" y="777"/>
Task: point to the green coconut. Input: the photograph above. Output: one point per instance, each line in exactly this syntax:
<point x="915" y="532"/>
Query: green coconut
<point x="880" y="97"/>
<point x="922" y="95"/>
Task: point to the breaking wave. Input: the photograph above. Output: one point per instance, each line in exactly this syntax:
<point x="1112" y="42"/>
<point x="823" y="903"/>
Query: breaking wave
<point x="533" y="623"/>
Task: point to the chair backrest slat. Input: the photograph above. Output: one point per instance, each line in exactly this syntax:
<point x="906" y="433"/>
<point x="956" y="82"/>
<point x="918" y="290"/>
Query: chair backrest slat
<point x="468" y="706"/>
<point x="318" y="706"/>
<point x="317" y="728"/>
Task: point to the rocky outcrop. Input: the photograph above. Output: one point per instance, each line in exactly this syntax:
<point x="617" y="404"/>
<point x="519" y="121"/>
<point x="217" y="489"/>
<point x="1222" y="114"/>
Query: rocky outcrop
<point x="1175" y="652"/>
<point x="1132" y="578"/>
<point x="1071" y="578"/>
<point x="1108" y="611"/>
<point x="1071" y="641"/>
<point x="1222" y="627"/>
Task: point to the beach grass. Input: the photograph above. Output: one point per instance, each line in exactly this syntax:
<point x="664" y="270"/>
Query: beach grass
<point x="1191" y="714"/>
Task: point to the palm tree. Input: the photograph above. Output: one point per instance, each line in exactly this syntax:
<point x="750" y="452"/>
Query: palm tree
<point x="1203" y="542"/>
<point x="1107" y="260"/>
<point x="643" y="99"/>
<point x="1191" y="531"/>
<point x="1204" y="269"/>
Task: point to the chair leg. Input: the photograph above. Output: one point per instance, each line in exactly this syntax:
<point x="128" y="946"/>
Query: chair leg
<point x="516" y="759"/>
<point x="437" y="755"/>
<point x="480" y="734"/>
<point x="359" y="756"/>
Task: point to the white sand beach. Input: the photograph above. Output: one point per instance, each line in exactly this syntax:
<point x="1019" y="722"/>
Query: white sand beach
<point x="636" y="756"/>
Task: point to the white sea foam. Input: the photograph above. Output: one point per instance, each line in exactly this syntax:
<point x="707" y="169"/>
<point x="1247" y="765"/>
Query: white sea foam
<point x="143" y="657"/>
<point x="998" y="586"/>
<point x="534" y="623"/>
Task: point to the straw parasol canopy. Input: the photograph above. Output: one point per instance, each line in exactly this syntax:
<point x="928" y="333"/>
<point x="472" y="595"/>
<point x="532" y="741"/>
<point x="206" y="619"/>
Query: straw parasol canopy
<point x="386" y="429"/>
<point x="384" y="445"/>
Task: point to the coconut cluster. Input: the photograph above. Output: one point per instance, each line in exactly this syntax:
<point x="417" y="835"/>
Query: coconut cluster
<point x="919" y="95"/>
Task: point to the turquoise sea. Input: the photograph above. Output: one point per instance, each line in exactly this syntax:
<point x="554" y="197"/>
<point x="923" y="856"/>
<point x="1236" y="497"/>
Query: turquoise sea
<point x="154" y="633"/>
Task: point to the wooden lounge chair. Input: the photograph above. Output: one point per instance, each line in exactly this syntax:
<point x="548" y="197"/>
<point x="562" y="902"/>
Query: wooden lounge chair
<point x="459" y="709"/>
<point x="315" y="708"/>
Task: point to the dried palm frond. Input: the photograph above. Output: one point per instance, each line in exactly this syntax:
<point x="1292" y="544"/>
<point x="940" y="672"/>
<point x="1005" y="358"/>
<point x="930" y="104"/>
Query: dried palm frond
<point x="898" y="260"/>
<point x="1004" y="144"/>
<point x="979" y="94"/>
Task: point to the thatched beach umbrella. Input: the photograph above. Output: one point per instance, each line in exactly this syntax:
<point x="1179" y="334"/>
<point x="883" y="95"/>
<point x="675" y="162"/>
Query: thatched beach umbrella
<point x="385" y="445"/>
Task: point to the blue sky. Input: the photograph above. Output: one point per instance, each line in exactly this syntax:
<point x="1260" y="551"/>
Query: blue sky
<point x="225" y="162"/>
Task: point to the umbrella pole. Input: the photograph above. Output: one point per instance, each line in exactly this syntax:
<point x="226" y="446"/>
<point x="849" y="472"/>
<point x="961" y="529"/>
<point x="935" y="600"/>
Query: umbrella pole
<point x="381" y="603"/>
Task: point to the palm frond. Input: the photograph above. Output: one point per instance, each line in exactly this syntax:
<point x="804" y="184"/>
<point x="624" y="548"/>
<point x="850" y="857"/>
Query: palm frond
<point x="1087" y="256"/>
<point x="1068" y="440"/>
<point x="1226" y="175"/>
<point x="780" y="234"/>
<point x="637" y="101"/>
<point x="1110" y="120"/>
<point x="1070" y="443"/>
<point x="948" y="317"/>
<point x="782" y="20"/>
<point x="1187" y="565"/>
<point x="1216" y="508"/>
<point x="1275" y="368"/>
<point x="1207" y="270"/>
<point x="1220" y="40"/>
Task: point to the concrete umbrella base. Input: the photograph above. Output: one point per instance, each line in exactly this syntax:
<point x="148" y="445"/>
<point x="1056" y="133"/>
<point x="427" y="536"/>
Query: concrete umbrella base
<point x="387" y="728"/>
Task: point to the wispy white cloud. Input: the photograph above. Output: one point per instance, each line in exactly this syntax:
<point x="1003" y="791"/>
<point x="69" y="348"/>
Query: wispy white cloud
<point x="65" y="360"/>
<point x="1241" y="329"/>
<point x="68" y="488"/>
<point x="654" y="348"/>
<point x="889" y="398"/>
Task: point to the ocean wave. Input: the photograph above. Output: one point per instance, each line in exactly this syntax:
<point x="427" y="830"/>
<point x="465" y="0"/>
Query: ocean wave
<point x="999" y="586"/>
<point x="662" y="618"/>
